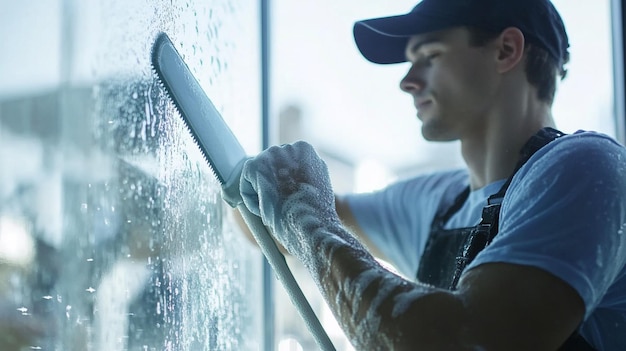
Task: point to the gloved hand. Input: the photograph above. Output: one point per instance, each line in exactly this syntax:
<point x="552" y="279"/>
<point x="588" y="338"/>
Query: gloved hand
<point x="289" y="188"/>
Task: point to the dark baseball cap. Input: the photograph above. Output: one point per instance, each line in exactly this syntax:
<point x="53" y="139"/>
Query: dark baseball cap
<point x="383" y="40"/>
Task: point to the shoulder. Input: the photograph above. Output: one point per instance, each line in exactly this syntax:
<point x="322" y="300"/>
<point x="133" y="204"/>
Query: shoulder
<point x="413" y="199"/>
<point x="429" y="190"/>
<point x="436" y="178"/>
<point x="574" y="159"/>
<point x="576" y="169"/>
<point x="431" y="184"/>
<point x="584" y="148"/>
<point x="435" y="181"/>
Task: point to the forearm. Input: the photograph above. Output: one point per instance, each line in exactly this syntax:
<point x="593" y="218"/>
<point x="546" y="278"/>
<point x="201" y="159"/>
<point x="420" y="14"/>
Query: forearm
<point x="376" y="308"/>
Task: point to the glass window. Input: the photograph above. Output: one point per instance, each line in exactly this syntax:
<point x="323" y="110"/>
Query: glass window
<point x="113" y="234"/>
<point x="584" y="99"/>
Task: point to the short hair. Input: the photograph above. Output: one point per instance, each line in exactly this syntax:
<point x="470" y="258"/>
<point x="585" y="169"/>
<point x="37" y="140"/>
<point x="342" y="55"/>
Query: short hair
<point x="541" y="68"/>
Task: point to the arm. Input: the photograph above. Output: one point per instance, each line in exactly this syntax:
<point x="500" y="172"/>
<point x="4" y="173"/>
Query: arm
<point x="497" y="306"/>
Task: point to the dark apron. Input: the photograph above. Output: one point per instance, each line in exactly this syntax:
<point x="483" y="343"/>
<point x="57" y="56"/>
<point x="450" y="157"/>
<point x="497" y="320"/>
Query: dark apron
<point x="449" y="251"/>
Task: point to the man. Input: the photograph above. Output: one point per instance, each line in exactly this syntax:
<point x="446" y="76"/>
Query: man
<point x="524" y="250"/>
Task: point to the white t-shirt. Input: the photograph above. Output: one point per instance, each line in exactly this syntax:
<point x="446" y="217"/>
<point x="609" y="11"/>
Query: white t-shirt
<point x="564" y="212"/>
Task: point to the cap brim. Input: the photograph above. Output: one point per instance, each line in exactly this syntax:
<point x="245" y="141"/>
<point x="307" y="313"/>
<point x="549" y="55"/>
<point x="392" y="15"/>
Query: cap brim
<point x="383" y="40"/>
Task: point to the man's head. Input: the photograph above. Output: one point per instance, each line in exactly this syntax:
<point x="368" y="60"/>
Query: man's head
<point x="384" y="40"/>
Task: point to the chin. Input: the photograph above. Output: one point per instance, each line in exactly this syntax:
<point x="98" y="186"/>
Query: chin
<point x="432" y="132"/>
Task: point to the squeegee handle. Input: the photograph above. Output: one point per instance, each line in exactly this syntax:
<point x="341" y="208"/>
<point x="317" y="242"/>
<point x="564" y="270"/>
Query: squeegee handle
<point x="277" y="261"/>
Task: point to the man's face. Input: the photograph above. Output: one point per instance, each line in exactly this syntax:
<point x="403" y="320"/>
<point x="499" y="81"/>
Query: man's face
<point x="453" y="84"/>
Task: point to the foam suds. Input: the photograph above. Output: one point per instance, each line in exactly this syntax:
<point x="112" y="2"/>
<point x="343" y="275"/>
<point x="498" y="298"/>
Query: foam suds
<point x="322" y="244"/>
<point x="369" y="301"/>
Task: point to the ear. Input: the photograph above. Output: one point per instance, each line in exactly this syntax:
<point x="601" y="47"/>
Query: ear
<point x="510" y="49"/>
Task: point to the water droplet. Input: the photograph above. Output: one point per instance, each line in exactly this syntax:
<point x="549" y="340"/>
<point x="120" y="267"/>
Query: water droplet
<point x="90" y="290"/>
<point x="135" y="95"/>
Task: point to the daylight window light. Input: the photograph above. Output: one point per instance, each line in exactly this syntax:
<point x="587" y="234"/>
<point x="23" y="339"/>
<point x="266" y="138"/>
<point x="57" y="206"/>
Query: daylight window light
<point x="371" y="175"/>
<point x="289" y="344"/>
<point x="17" y="246"/>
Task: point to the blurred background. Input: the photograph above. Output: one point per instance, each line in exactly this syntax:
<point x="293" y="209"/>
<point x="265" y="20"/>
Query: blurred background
<point x="113" y="235"/>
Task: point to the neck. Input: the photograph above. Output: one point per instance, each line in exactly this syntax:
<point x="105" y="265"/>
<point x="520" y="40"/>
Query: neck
<point x="492" y="153"/>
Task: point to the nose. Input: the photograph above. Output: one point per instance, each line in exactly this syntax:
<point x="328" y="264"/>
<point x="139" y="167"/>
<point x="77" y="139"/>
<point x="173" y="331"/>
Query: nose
<point x="412" y="82"/>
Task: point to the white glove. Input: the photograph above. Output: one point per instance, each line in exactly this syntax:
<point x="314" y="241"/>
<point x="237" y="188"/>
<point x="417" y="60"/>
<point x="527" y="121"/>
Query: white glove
<point x="289" y="188"/>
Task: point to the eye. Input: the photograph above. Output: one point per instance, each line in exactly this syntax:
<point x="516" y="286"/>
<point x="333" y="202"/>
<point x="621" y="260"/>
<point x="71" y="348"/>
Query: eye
<point x="427" y="58"/>
<point x="432" y="55"/>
